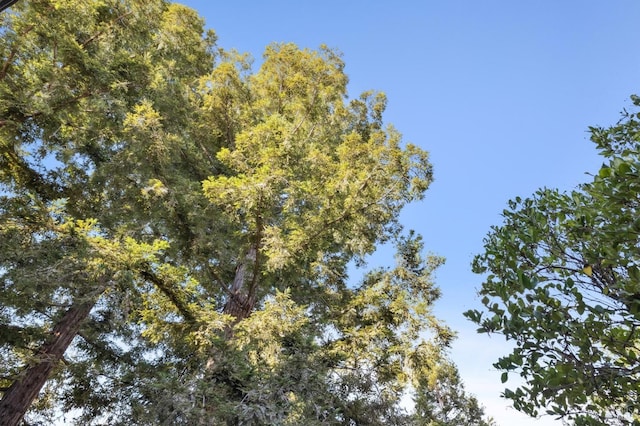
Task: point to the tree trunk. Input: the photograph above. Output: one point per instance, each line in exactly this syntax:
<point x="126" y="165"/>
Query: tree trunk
<point x="19" y="396"/>
<point x="242" y="294"/>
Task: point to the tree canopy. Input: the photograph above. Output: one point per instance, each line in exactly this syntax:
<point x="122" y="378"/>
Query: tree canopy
<point x="176" y="230"/>
<point x="563" y="282"/>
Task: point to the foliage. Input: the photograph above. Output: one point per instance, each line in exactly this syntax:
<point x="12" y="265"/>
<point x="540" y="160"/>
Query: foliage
<point x="191" y="222"/>
<point x="441" y="399"/>
<point x="563" y="283"/>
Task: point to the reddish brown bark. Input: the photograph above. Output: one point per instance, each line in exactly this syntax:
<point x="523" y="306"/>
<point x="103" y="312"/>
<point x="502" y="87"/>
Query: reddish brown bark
<point x="19" y="396"/>
<point x="239" y="304"/>
<point x="242" y="294"/>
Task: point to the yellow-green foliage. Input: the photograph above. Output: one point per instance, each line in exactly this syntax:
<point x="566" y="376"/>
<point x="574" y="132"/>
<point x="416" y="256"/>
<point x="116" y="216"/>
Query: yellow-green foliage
<point x="208" y="212"/>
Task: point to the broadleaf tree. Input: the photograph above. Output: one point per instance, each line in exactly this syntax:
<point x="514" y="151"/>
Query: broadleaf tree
<point x="563" y="282"/>
<point x="176" y="231"/>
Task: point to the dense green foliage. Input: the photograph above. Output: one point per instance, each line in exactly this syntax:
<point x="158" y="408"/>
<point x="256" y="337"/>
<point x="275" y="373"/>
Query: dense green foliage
<point x="563" y="282"/>
<point x="176" y="230"/>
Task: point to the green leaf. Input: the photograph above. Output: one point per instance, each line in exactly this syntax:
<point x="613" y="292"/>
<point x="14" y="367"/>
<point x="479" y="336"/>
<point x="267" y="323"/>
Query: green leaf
<point x="578" y="315"/>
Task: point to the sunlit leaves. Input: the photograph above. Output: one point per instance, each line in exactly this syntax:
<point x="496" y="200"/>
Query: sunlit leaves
<point x="314" y="170"/>
<point x="209" y="212"/>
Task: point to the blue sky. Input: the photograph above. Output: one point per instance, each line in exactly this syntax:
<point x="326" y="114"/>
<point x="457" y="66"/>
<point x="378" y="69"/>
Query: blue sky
<point x="501" y="93"/>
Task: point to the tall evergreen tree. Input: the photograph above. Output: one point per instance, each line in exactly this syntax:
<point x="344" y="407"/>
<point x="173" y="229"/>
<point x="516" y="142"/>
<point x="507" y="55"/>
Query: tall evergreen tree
<point x="176" y="230"/>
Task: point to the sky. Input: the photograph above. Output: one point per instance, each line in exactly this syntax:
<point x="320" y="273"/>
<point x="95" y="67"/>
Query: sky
<point x="501" y="93"/>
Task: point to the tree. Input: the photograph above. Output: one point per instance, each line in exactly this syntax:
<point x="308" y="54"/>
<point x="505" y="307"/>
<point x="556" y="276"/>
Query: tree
<point x="71" y="73"/>
<point x="176" y="229"/>
<point x="563" y="283"/>
<point x="440" y="398"/>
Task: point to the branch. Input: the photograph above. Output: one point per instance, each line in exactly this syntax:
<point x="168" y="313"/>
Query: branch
<point x="4" y="4"/>
<point x="258" y="258"/>
<point x="216" y="277"/>
<point x="173" y="296"/>
<point x="99" y="33"/>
